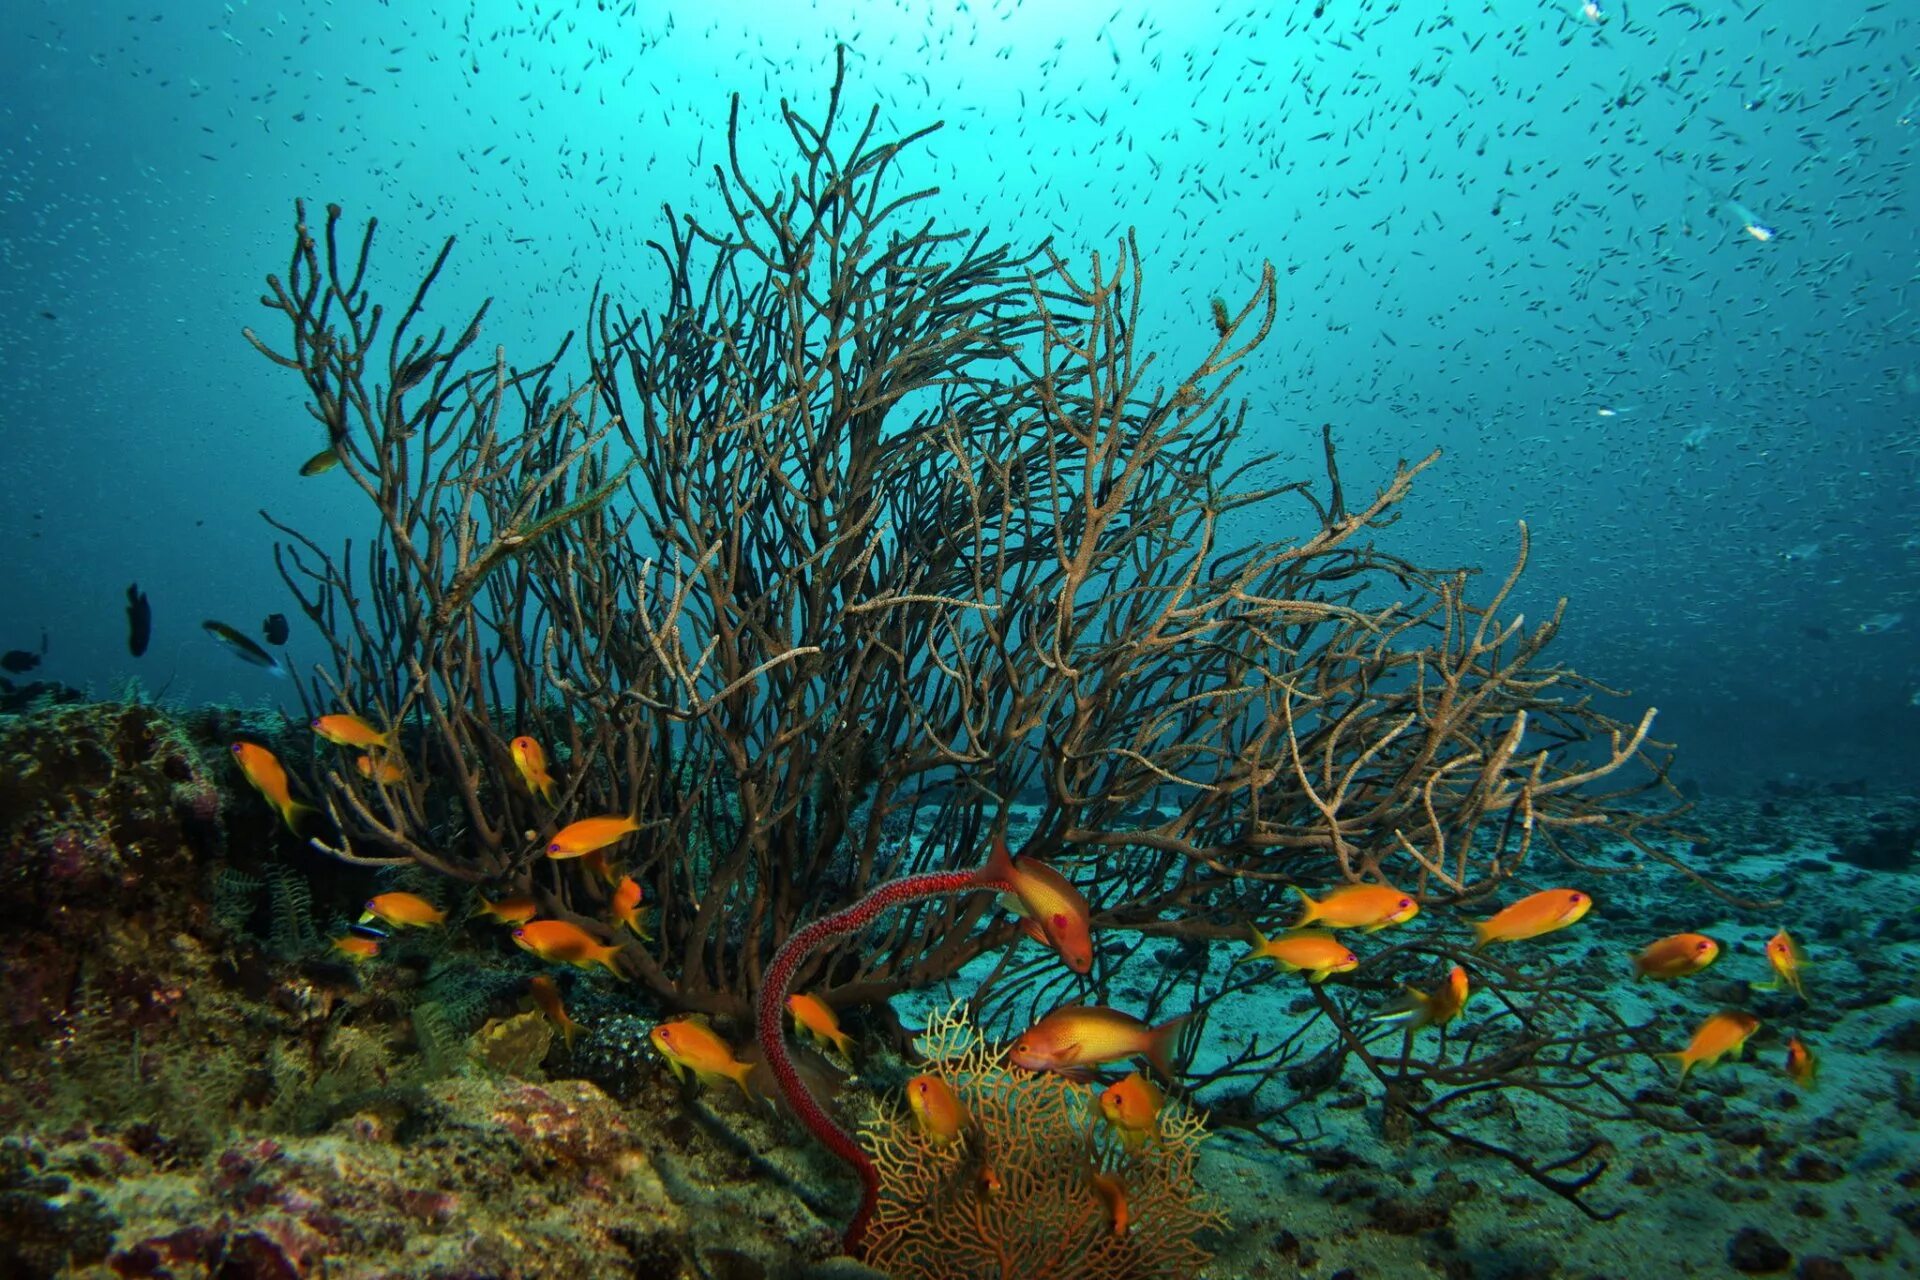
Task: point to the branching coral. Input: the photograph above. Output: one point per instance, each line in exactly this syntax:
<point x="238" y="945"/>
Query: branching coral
<point x="1016" y="1198"/>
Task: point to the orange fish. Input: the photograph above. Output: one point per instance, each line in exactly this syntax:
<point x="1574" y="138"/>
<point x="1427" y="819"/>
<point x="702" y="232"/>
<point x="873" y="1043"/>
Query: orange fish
<point x="577" y="839"/>
<point x="1421" y="1009"/>
<point x="1371" y="907"/>
<point x="356" y="948"/>
<point x="1532" y="916"/>
<point x="557" y="940"/>
<point x="547" y="996"/>
<point x="1675" y="957"/>
<point x="1783" y="953"/>
<point x="818" y="1021"/>
<point x="1314" y="952"/>
<point x="402" y="910"/>
<point x="1079" y="1036"/>
<point x="689" y="1044"/>
<point x="531" y="761"/>
<point x="385" y="772"/>
<point x="1724" y="1033"/>
<point x="269" y="778"/>
<point x="1802" y="1065"/>
<point x="937" y="1108"/>
<point x="1132" y="1107"/>
<point x="351" y="731"/>
<point x="1056" y="914"/>
<point x="626" y="906"/>
<point x="515" y="910"/>
<point x="1114" y="1196"/>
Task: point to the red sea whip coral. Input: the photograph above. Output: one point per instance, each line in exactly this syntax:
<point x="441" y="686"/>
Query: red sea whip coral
<point x="773" y="1000"/>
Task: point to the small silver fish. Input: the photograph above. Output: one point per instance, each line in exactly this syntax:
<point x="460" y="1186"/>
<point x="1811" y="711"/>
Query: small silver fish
<point x="243" y="648"/>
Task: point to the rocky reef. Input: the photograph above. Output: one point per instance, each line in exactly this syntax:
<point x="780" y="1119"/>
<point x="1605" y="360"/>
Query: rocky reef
<point x="197" y="1084"/>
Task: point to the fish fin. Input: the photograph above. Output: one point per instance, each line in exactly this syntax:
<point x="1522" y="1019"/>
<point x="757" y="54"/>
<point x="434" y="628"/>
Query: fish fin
<point x="1163" y="1042"/>
<point x="1259" y="945"/>
<point x="294" y="813"/>
<point x="607" y="956"/>
<point x="1481" y="935"/>
<point x="1318" y="975"/>
<point x="742" y="1075"/>
<point x="999" y="868"/>
<point x="1309" y="909"/>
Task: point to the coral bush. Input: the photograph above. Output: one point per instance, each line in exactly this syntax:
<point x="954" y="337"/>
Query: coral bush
<point x="1016" y="1200"/>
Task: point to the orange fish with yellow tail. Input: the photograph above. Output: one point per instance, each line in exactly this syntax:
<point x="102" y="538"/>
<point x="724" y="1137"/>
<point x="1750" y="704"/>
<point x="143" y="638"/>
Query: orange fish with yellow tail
<point x="1675" y="957"/>
<point x="1132" y="1107"/>
<point x="626" y="906"/>
<point x="546" y="996"/>
<point x="811" y="1015"/>
<point x="937" y="1108"/>
<point x="1055" y="913"/>
<point x="511" y="910"/>
<point x="531" y="760"/>
<point x="269" y="777"/>
<point x="1802" y="1064"/>
<point x="1783" y="953"/>
<point x="356" y="948"/>
<point x="1536" y="914"/>
<point x="690" y="1045"/>
<point x="590" y="835"/>
<point x="1371" y="907"/>
<point x="1431" y="1009"/>
<point x="1076" y="1037"/>
<point x="1313" y="952"/>
<point x="564" y="943"/>
<point x="1114" y="1196"/>
<point x="351" y="731"/>
<point x="402" y="911"/>
<point x="377" y="769"/>
<point x="1724" y="1033"/>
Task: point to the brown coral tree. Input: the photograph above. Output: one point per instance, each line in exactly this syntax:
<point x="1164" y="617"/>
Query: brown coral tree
<point x="872" y="529"/>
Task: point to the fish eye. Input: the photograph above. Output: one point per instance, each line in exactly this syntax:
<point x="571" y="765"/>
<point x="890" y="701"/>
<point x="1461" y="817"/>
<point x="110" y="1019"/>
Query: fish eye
<point x="1405" y="903"/>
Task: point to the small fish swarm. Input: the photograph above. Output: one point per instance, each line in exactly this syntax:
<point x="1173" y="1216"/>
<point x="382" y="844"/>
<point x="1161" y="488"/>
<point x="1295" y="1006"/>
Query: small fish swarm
<point x="1042" y="1135"/>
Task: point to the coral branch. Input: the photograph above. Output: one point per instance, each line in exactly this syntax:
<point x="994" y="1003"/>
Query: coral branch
<point x="773" y="1001"/>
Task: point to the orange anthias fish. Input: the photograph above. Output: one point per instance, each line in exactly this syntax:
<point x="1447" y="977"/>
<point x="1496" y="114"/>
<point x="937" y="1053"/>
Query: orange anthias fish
<point x="1726" y="1032"/>
<point x="689" y="1044"/>
<point x="577" y="839"/>
<point x="1802" y="1065"/>
<point x="1056" y="914"/>
<point x="1532" y="916"/>
<point x="1314" y="952"/>
<point x="531" y="761"/>
<point x="403" y="910"/>
<point x="818" y="1021"/>
<point x="1783" y="953"/>
<point x="1076" y="1037"/>
<point x="565" y="943"/>
<point x="547" y="996"/>
<point x="356" y="948"/>
<point x="1114" y="1196"/>
<point x="626" y="906"/>
<point x="1371" y="907"/>
<point x="516" y="910"/>
<point x="269" y="777"/>
<point x="938" y="1110"/>
<point x="1675" y="957"/>
<point x="351" y="731"/>
<point x="378" y="770"/>
<point x="1435" y="1009"/>
<point x="1132" y="1107"/>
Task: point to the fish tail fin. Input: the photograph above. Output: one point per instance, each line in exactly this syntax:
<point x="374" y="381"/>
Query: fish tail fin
<point x="607" y="956"/>
<point x="1686" y="1065"/>
<point x="1309" y="909"/>
<point x="999" y="868"/>
<point x="844" y="1042"/>
<point x="1481" y="935"/>
<point x="742" y="1074"/>
<point x="1259" y="945"/>
<point x="295" y="813"/>
<point x="568" y="1030"/>
<point x="1163" y="1042"/>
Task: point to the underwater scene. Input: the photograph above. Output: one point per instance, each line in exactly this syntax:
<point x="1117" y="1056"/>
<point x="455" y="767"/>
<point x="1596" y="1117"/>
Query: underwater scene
<point x="960" y="641"/>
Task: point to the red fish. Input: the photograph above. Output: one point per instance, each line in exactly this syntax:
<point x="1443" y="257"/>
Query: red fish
<point x="1056" y="914"/>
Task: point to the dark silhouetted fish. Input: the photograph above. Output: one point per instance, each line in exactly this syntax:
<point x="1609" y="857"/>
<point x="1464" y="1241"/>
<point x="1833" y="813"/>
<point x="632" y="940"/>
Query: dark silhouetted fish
<point x="243" y="648"/>
<point x="275" y="628"/>
<point x="19" y="660"/>
<point x="139" y="620"/>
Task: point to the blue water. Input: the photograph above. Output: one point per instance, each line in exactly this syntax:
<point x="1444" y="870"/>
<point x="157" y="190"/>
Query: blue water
<point x="1646" y="276"/>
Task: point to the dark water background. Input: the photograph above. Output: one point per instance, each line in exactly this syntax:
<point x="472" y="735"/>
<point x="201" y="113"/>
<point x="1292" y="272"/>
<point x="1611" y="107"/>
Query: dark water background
<point x="1521" y="234"/>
